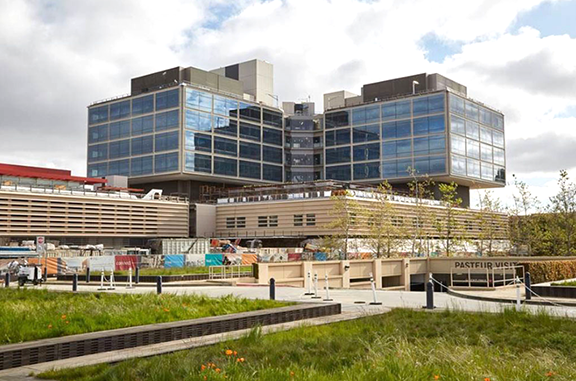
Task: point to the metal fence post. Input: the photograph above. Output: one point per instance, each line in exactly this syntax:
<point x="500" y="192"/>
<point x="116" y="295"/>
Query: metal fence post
<point x="137" y="275"/>
<point x="7" y="280"/>
<point x="159" y="284"/>
<point x="272" y="289"/>
<point x="87" y="274"/>
<point x="429" y="295"/>
<point x="75" y="282"/>
<point x="528" y="286"/>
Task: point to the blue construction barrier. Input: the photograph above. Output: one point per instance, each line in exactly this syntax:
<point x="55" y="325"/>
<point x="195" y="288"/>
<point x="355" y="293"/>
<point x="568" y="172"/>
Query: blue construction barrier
<point x="214" y="259"/>
<point x="176" y="260"/>
<point x="319" y="256"/>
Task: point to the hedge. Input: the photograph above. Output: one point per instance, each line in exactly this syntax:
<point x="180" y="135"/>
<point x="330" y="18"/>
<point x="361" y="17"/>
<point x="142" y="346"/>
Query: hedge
<point x="549" y="271"/>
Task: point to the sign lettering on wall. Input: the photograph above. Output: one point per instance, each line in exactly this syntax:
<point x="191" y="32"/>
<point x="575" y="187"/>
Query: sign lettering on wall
<point x="483" y="264"/>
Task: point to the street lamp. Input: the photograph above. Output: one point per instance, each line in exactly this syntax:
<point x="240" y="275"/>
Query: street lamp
<point x="414" y="83"/>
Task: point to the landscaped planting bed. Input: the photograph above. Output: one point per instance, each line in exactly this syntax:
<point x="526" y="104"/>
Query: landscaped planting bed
<point x="401" y="345"/>
<point x="30" y="314"/>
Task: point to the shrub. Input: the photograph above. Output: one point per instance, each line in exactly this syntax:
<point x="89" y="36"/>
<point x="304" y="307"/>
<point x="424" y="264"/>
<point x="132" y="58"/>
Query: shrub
<point x="549" y="271"/>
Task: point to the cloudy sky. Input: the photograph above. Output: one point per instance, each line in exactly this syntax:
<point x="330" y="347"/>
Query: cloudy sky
<point x="518" y="56"/>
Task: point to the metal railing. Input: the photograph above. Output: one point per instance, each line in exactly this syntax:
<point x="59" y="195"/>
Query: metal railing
<point x="495" y="277"/>
<point x="225" y="272"/>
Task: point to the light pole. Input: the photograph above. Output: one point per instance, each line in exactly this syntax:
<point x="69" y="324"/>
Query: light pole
<point x="414" y="83"/>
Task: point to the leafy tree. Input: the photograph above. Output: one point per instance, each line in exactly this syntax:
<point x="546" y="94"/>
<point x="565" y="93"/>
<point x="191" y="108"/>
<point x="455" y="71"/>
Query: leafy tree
<point x="419" y="191"/>
<point x="488" y="222"/>
<point x="346" y="212"/>
<point x="524" y="229"/>
<point x="563" y="205"/>
<point x="384" y="233"/>
<point x="447" y="225"/>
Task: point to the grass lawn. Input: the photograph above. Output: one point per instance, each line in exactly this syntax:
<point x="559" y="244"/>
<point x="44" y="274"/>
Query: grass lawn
<point x="27" y="314"/>
<point x="401" y="345"/>
<point x="180" y="271"/>
<point x="571" y="283"/>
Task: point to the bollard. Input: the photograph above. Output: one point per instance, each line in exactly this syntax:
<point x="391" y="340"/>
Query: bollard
<point x="528" y="286"/>
<point x="309" y="284"/>
<point x="518" y="301"/>
<point x="375" y="302"/>
<point x="7" y="280"/>
<point x="74" y="282"/>
<point x="101" y="281"/>
<point x="159" y="284"/>
<point x="316" y="287"/>
<point x="327" y="299"/>
<point x="129" y="279"/>
<point x="87" y="274"/>
<point x="272" y="289"/>
<point x="45" y="278"/>
<point x="112" y="287"/>
<point x="137" y="274"/>
<point x="429" y="295"/>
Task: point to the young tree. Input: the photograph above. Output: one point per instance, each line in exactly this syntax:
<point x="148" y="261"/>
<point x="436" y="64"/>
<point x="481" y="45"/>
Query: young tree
<point x="524" y="230"/>
<point x="563" y="206"/>
<point x="384" y="235"/>
<point x="345" y="211"/>
<point x="489" y="223"/>
<point x="419" y="191"/>
<point x="448" y="226"/>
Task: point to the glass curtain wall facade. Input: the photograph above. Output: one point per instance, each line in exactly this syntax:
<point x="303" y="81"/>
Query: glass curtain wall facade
<point x="435" y="134"/>
<point x="185" y="130"/>
<point x="303" y="149"/>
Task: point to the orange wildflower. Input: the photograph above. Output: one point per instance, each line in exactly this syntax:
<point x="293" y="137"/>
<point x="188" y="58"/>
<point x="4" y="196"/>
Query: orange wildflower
<point x="205" y="377"/>
<point x="241" y="359"/>
<point x="203" y="367"/>
<point x="63" y="317"/>
<point x="486" y="379"/>
<point x="217" y="370"/>
<point x="550" y="374"/>
<point x="235" y="353"/>
<point x="49" y="326"/>
<point x="436" y="377"/>
<point x="166" y="310"/>
<point x="237" y="360"/>
<point x="67" y="322"/>
<point x="228" y="352"/>
<point x="291" y="374"/>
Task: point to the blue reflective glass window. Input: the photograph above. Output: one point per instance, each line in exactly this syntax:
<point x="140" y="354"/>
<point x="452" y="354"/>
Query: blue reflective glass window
<point x="421" y="146"/>
<point x="98" y="170"/>
<point x="437" y="144"/>
<point x="366" y="133"/>
<point x="271" y="154"/>
<point x="420" y="106"/>
<point x="458" y="144"/>
<point x="225" y="126"/>
<point x="250" y="151"/>
<point x="436" y="124"/>
<point x="143" y="105"/>
<point x="473" y="168"/>
<point x="166" y="162"/>
<point x="167" y="99"/>
<point x="167" y="120"/>
<point x="367" y="171"/>
<point x="227" y="167"/>
<point x="272" y="172"/>
<point x="225" y="106"/>
<point x="456" y="104"/>
<point x="141" y="166"/>
<point x="330" y="138"/>
<point x="198" y="100"/>
<point x="403" y="110"/>
<point x="498" y="139"/>
<point x="249" y="131"/>
<point x="436" y="104"/>
<point x="118" y="149"/>
<point x="98" y="133"/>
<point x="485" y="116"/>
<point x="119" y="168"/>
<point x="471" y="111"/>
<point x="437" y="164"/>
<point x="119" y="110"/>
<point x="389" y="111"/>
<point x="397" y="148"/>
<point x="498" y="121"/>
<point x="167" y="141"/>
<point x="98" y="114"/>
<point x="487" y="171"/>
<point x="403" y="167"/>
<point x="119" y="129"/>
<point x="367" y="152"/>
<point x="197" y="142"/>
<point x="457" y="125"/>
<point x="342" y="136"/>
<point x="142" y="145"/>
<point x="393" y="130"/>
<point x="458" y="165"/>
<point x="472" y="130"/>
<point x="98" y="152"/>
<point x="198" y="163"/>
<point x="472" y="148"/>
<point x="422" y="165"/>
<point x="339" y="172"/>
<point x="486" y="135"/>
<point x="143" y="125"/>
<point x="337" y="119"/>
<point x="372" y="114"/>
<point x="389" y="169"/>
<point x="359" y="115"/>
<point x="225" y="146"/>
<point x="499" y="156"/>
<point x="249" y="112"/>
<point x="486" y="152"/>
<point x="272" y="118"/>
<point x="200" y="121"/>
<point x="338" y="155"/>
<point x="250" y="170"/>
<point x="272" y="136"/>
<point x="420" y="126"/>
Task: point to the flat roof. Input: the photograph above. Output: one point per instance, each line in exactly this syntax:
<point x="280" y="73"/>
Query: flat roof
<point x="46" y="174"/>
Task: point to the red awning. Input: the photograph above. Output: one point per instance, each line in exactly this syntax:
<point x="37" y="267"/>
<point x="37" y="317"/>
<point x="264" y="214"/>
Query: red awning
<point x="46" y="173"/>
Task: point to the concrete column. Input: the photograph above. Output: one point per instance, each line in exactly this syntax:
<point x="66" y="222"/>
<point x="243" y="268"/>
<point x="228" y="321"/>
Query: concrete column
<point x="377" y="271"/>
<point x="345" y="272"/>
<point x="263" y="273"/>
<point x="405" y="277"/>
<point x="307" y="266"/>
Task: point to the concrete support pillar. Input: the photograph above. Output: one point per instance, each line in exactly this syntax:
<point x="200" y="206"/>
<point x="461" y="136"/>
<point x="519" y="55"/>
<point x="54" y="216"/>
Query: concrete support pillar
<point x="307" y="266"/>
<point x="377" y="272"/>
<point x="345" y="272"/>
<point x="263" y="273"/>
<point x="405" y="277"/>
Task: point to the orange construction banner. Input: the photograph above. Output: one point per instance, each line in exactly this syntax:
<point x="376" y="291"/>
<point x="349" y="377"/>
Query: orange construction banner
<point x="248" y="259"/>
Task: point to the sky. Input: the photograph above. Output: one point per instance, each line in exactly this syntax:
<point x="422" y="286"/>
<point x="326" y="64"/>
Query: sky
<point x="517" y="56"/>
